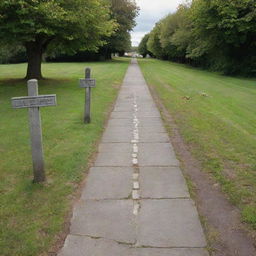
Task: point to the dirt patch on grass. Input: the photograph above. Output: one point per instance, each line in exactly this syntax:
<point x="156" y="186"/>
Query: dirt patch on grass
<point x="226" y="234"/>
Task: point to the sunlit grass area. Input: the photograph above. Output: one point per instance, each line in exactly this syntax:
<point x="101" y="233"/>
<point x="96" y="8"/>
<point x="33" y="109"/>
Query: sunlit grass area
<point x="216" y="116"/>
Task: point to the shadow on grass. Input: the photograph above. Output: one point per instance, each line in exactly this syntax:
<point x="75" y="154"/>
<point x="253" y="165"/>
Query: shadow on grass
<point x="23" y="81"/>
<point x="210" y="71"/>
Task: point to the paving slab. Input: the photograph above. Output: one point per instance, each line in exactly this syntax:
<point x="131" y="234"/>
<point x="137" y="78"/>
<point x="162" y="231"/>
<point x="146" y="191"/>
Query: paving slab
<point x="120" y="122"/>
<point x="157" y="154"/>
<point x="145" y="107"/>
<point x="142" y="107"/>
<point x="113" y="159"/>
<point x="171" y="252"/>
<point x="133" y="83"/>
<point x="124" y="103"/>
<point x="122" y="115"/>
<point x="108" y="183"/>
<point x="111" y="219"/>
<point x="85" y="246"/>
<point x="118" y="129"/>
<point x="115" y="148"/>
<point x="151" y="129"/>
<point x="125" y="97"/>
<point x="122" y="108"/>
<point x="129" y="115"/>
<point x="150" y="121"/>
<point x="154" y="137"/>
<point x="148" y="114"/>
<point x="169" y="223"/>
<point x="118" y="135"/>
<point x="162" y="182"/>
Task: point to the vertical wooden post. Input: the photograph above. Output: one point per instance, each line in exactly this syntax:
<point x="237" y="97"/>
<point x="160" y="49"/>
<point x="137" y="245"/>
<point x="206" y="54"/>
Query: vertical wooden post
<point x="36" y="135"/>
<point x="87" y="111"/>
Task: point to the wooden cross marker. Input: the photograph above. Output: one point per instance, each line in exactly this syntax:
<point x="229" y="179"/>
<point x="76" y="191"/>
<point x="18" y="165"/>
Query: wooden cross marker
<point x="87" y="83"/>
<point x="34" y="101"/>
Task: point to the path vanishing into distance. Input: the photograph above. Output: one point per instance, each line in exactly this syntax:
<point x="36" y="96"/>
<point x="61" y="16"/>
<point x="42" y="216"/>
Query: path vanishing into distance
<point x="135" y="201"/>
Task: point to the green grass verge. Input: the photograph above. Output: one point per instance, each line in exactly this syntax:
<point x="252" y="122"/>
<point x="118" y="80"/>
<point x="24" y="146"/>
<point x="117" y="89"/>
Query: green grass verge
<point x="31" y="216"/>
<point x="216" y="116"/>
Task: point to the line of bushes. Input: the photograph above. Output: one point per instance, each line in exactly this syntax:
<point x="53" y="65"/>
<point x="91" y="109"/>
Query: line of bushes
<point x="214" y="34"/>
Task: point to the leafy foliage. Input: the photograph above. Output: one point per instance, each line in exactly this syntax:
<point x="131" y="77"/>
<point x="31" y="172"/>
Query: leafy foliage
<point x="214" y="34"/>
<point x="12" y="53"/>
<point x="154" y="43"/>
<point x="72" y="23"/>
<point x="227" y="30"/>
<point x="67" y="24"/>
<point x="124" y="13"/>
<point x="142" y="49"/>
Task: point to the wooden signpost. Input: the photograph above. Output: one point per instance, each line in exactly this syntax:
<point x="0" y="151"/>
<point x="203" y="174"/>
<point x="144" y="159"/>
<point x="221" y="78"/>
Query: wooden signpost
<point x="33" y="102"/>
<point x="87" y="83"/>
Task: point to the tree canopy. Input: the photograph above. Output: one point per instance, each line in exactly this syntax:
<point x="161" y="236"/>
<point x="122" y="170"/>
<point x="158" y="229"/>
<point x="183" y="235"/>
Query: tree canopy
<point x="70" y="25"/>
<point x="142" y="49"/>
<point x="124" y="13"/>
<point x="215" y="34"/>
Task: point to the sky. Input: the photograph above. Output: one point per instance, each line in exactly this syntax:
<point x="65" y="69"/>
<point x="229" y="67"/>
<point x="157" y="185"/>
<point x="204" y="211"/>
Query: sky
<point x="151" y="11"/>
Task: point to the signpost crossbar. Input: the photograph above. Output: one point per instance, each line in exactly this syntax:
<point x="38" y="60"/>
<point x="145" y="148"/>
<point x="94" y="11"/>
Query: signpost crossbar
<point x="34" y="101"/>
<point x="84" y="83"/>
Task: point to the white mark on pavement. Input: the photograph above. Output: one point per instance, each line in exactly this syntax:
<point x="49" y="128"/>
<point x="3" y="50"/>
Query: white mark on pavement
<point x="136" y="185"/>
<point x="135" y="161"/>
<point x="135" y="141"/>
<point x="135" y="195"/>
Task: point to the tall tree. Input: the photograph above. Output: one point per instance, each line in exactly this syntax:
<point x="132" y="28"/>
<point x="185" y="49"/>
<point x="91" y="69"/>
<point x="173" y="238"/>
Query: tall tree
<point x="154" y="43"/>
<point x="124" y="12"/>
<point x="226" y="34"/>
<point x="215" y="34"/>
<point x="175" y="35"/>
<point x="143" y="49"/>
<point x="68" y="24"/>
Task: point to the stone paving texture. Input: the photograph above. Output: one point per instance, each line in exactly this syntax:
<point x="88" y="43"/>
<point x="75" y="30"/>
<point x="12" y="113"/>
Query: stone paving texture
<point x="136" y="201"/>
<point x="117" y="183"/>
<point x="162" y="182"/>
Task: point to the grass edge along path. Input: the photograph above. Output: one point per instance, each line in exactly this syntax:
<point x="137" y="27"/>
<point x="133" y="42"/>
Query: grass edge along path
<point x="32" y="215"/>
<point x="216" y="117"/>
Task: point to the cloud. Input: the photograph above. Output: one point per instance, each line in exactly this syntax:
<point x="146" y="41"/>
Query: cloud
<point x="136" y="37"/>
<point x="150" y="13"/>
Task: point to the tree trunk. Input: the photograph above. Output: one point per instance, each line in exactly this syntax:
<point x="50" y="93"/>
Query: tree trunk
<point x="108" y="56"/>
<point x="34" y="53"/>
<point x="121" y="53"/>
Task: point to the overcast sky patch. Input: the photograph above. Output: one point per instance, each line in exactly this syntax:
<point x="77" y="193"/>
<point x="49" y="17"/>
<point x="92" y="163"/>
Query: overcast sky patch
<point x="150" y="12"/>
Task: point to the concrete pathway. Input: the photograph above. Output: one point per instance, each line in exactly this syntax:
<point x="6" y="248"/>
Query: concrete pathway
<point x="135" y="202"/>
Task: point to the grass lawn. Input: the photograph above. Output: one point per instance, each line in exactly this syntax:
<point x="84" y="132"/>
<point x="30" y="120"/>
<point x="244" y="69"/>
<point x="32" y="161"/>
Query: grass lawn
<point x="32" y="216"/>
<point x="216" y="116"/>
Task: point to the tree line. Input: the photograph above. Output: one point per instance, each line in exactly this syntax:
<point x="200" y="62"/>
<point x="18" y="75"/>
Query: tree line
<point x="34" y="28"/>
<point x="214" y="34"/>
